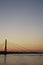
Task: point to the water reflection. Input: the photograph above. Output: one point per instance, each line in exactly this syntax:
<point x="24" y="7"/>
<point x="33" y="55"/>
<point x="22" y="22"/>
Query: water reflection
<point x="5" y="56"/>
<point x="22" y="59"/>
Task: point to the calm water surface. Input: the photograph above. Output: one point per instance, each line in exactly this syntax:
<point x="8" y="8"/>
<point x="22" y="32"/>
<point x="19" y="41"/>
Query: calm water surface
<point x="21" y="59"/>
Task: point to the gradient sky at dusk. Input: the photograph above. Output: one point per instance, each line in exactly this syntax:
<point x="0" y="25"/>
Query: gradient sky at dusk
<point x="21" y="22"/>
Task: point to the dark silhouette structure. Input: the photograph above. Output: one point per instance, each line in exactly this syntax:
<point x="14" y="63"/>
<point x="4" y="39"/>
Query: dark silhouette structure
<point x="5" y="46"/>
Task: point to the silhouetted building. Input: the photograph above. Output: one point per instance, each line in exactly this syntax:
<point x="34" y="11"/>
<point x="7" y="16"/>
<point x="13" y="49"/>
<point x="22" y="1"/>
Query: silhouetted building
<point x="5" y="45"/>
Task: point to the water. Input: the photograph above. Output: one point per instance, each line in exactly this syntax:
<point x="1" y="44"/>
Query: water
<point x="21" y="59"/>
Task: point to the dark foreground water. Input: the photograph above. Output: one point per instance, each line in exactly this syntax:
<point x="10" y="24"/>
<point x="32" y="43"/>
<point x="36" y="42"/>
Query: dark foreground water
<point x="21" y="59"/>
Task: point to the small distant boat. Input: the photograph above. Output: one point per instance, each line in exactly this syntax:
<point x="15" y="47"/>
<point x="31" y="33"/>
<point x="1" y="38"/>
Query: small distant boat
<point x="40" y="55"/>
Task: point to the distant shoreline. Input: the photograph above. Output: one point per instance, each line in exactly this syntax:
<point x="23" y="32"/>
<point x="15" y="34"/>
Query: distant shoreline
<point x="5" y="53"/>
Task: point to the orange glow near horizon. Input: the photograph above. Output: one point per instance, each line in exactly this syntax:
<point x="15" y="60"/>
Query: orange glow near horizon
<point x="22" y="47"/>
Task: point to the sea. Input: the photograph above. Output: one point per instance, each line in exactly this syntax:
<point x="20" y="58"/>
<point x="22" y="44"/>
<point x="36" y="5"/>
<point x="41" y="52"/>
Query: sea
<point x="21" y="59"/>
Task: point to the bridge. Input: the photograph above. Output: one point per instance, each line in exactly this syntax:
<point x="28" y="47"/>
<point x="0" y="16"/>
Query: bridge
<point x="19" y="52"/>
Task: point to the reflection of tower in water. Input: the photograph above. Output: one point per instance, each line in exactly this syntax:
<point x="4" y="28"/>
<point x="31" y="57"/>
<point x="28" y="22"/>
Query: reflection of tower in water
<point x="5" y="56"/>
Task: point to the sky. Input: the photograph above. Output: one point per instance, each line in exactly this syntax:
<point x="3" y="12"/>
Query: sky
<point x="21" y="23"/>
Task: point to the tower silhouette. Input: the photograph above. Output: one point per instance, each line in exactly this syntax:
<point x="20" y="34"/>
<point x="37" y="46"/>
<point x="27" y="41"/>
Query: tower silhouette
<point x="5" y="46"/>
